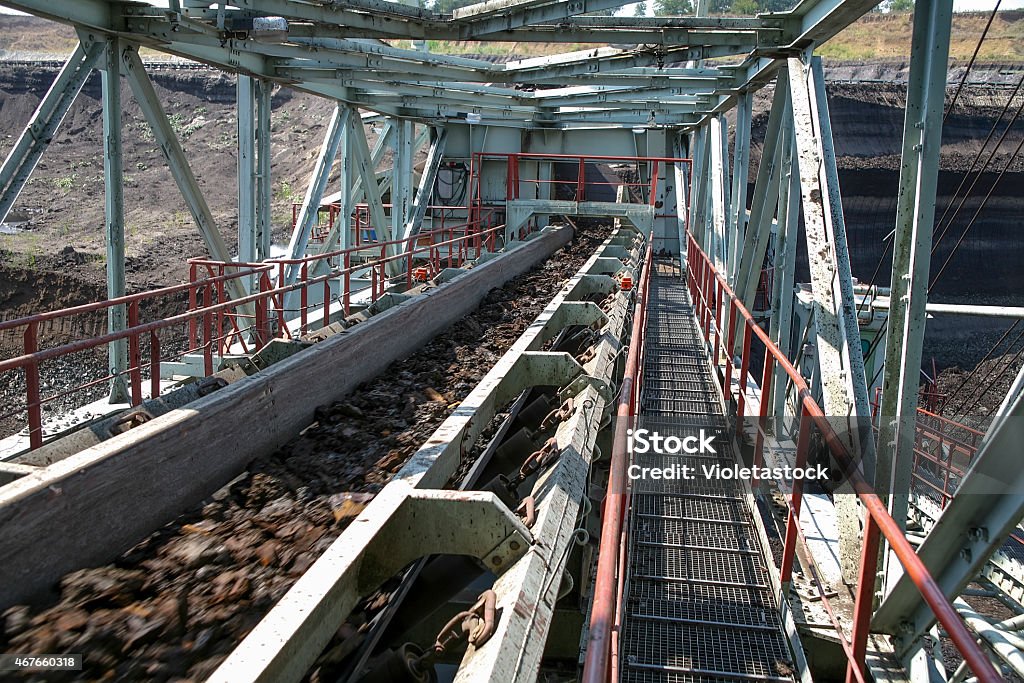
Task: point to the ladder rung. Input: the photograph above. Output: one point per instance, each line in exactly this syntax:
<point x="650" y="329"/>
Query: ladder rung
<point x="702" y="582"/>
<point x="685" y="546"/>
<point x="716" y="624"/>
<point x="709" y="672"/>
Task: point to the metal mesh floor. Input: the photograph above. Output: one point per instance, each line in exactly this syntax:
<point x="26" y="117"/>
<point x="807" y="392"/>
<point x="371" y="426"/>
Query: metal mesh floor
<point x="699" y="608"/>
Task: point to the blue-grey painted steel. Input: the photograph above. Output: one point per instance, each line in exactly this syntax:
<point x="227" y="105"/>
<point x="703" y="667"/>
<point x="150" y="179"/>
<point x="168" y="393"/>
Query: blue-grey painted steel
<point x="42" y="127"/>
<point x="114" y="211"/>
<point x="915" y="216"/>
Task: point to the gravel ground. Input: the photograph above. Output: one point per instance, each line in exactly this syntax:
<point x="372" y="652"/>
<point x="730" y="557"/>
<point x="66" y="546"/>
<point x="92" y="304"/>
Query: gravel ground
<point x="176" y="604"/>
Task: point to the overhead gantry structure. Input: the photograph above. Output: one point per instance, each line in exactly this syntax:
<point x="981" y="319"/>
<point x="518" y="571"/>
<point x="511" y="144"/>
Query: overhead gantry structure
<point x="656" y="96"/>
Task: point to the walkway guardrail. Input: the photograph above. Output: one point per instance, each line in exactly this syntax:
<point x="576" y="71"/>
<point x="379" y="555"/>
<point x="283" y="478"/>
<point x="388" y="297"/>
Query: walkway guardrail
<point x="212" y="322"/>
<point x="720" y="313"/>
<point x="606" y="613"/>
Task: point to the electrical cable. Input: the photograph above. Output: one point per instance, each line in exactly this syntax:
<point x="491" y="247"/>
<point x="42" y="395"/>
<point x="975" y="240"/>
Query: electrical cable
<point x="953" y="394"/>
<point x="970" y="64"/>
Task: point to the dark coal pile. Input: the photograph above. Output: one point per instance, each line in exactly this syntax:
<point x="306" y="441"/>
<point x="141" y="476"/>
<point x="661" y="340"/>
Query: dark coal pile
<point x="176" y="604"/>
<point x="976" y="394"/>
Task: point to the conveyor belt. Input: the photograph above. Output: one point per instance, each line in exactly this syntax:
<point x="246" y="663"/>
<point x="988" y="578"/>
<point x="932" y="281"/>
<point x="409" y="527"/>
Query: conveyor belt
<point x="699" y="602"/>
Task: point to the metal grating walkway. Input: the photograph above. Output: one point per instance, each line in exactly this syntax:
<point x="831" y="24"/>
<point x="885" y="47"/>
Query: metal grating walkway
<point x="699" y="607"/>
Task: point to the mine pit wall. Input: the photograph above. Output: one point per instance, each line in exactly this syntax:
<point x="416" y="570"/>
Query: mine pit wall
<point x="94" y="505"/>
<point x="867" y="123"/>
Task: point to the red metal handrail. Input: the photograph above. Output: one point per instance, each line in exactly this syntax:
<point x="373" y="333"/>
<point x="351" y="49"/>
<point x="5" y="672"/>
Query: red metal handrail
<point x="359" y="220"/>
<point x="601" y="652"/>
<point x="210" y="316"/>
<point x="514" y="180"/>
<point x="716" y="302"/>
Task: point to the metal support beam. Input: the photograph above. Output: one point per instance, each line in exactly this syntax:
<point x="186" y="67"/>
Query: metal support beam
<point x="740" y="166"/>
<point x="177" y="162"/>
<point x="974" y="524"/>
<point x="426" y="185"/>
<point x="682" y="178"/>
<point x="315" y="190"/>
<point x="786" y="239"/>
<point x="340" y="234"/>
<point x="915" y="216"/>
<point x="766" y="193"/>
<point x="42" y="127"/>
<point x="401" y="177"/>
<point x="246" y="112"/>
<point x="698" y="205"/>
<point x="113" y="176"/>
<point x="264" y="188"/>
<point x="719" y="172"/>
<point x="365" y="167"/>
<point x="839" y="354"/>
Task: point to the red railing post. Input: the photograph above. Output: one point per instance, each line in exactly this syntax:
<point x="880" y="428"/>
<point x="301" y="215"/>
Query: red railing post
<point x="581" y="177"/>
<point x="304" y="298"/>
<point x="803" y="445"/>
<point x="207" y="331"/>
<point x="654" y="182"/>
<point x="193" y="328"/>
<point x="154" y="364"/>
<point x="731" y="342"/>
<point x="346" y="294"/>
<point x="741" y="400"/>
<point x="326" y="319"/>
<point x="767" y="374"/>
<point x="221" y="341"/>
<point x="34" y="400"/>
<point x="134" y="355"/>
<point x="865" y="598"/>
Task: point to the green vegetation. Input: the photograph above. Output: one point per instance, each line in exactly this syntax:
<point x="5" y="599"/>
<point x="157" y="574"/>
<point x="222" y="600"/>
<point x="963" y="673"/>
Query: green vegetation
<point x="65" y="183"/>
<point x="182" y="128"/>
<point x="285" y="193"/>
<point x="886" y="36"/>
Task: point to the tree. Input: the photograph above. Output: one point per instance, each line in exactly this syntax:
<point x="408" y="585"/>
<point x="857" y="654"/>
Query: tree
<point x="449" y="6"/>
<point x="900" y="5"/>
<point x="775" y="5"/>
<point x="745" y="7"/>
<point x="673" y="8"/>
<point x="640" y="10"/>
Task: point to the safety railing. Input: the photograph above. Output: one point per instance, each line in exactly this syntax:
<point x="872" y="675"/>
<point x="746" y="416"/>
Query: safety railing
<point x="639" y="175"/>
<point x="602" y="656"/>
<point x="944" y="450"/>
<point x="363" y="231"/>
<point x="721" y="315"/>
<point x="137" y="337"/>
<point x="213" y="322"/>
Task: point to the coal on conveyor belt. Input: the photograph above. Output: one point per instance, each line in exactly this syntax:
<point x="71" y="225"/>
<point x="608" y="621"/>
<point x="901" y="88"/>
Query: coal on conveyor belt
<point x="174" y="606"/>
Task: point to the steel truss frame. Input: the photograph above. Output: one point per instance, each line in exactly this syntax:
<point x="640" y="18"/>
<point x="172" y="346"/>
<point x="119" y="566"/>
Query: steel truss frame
<point x="650" y="74"/>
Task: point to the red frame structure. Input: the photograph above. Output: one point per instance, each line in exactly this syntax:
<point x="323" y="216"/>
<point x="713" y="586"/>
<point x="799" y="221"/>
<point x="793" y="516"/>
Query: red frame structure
<point x="213" y="322"/>
<point x="719" y="313"/>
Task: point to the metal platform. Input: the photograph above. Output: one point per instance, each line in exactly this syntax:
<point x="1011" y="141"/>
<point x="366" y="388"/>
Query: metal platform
<point x="699" y="603"/>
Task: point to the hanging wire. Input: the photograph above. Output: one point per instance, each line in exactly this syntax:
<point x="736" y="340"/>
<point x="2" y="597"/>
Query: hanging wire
<point x="956" y="391"/>
<point x="970" y="64"/>
<point x="977" y="213"/>
<point x="988" y="382"/>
